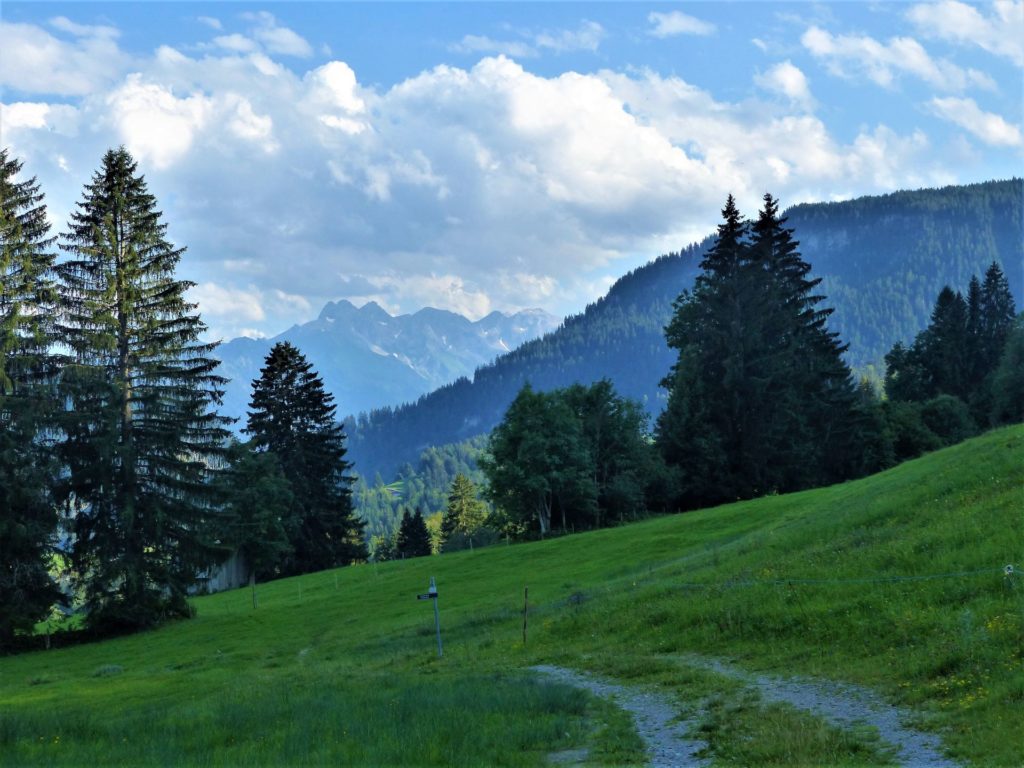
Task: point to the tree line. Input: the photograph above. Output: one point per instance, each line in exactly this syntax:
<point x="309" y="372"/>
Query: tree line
<point x="760" y="398"/>
<point x="114" y="462"/>
<point x="883" y="259"/>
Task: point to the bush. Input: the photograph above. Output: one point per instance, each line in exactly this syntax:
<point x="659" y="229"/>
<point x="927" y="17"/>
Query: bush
<point x="948" y="418"/>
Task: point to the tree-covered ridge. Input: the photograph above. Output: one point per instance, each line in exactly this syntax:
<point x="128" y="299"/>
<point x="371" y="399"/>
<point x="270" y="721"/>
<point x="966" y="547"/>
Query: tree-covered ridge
<point x="424" y="486"/>
<point x="882" y="261"/>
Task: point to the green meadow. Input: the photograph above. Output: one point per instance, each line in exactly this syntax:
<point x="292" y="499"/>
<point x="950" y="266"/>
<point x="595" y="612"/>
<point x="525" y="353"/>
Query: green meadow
<point x="894" y="582"/>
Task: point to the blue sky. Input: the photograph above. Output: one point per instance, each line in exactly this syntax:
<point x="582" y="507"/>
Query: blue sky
<point x="480" y="156"/>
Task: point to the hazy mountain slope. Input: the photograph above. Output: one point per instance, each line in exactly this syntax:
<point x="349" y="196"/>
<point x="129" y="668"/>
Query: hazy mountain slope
<point x="883" y="260"/>
<point x="369" y="358"/>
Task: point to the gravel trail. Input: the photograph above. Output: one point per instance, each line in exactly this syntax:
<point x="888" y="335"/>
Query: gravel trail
<point x="665" y="737"/>
<point x="844" y="706"/>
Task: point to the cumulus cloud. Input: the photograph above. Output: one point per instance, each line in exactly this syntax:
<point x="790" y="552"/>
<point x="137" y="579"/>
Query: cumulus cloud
<point x="678" y="23"/>
<point x="236" y="42"/>
<point x="787" y="80"/>
<point x="1000" y="32"/>
<point x="34" y="61"/>
<point x="155" y="125"/>
<point x="210" y="21"/>
<point x="987" y="126"/>
<point x="883" y="63"/>
<point x="479" y="188"/>
<point x="278" y="39"/>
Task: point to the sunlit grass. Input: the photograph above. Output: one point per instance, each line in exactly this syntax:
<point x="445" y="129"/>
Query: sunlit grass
<point x="341" y="666"/>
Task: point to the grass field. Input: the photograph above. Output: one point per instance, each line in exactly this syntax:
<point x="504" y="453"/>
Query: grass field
<point x="341" y="666"/>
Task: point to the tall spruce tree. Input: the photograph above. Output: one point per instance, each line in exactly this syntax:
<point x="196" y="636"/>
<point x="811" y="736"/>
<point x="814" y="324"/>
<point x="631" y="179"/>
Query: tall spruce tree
<point x="759" y="398"/>
<point x="809" y="433"/>
<point x="996" y="316"/>
<point x="28" y="517"/>
<point x="293" y="416"/>
<point x="142" y="438"/>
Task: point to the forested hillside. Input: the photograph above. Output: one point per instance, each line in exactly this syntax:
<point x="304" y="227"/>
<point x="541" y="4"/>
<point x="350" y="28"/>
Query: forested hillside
<point x="883" y="260"/>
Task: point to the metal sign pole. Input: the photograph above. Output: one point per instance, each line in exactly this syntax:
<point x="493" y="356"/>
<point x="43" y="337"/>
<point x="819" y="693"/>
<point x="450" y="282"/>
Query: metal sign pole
<point x="431" y="594"/>
<point x="437" y="617"/>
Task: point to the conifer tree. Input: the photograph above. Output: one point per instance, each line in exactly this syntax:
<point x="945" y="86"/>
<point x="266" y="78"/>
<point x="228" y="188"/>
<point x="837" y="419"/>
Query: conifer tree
<point x="465" y="512"/>
<point x="142" y="439"/>
<point x="808" y="433"/>
<point x="28" y="517"/>
<point x="996" y="316"/>
<point x="293" y="416"/>
<point x="1008" y="379"/>
<point x="759" y="398"/>
<point x="413" y="538"/>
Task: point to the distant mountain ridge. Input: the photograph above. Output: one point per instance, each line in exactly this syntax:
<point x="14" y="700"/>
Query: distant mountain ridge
<point x="883" y="260"/>
<point x="369" y="358"/>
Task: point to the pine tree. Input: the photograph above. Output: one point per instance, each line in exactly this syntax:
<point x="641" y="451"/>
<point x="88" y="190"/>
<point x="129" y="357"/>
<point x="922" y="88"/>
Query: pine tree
<point x="759" y="398"/>
<point x="465" y="513"/>
<point x="996" y="316"/>
<point x="809" y="434"/>
<point x="28" y="517"/>
<point x="1008" y="379"/>
<point x="945" y="345"/>
<point x="413" y="538"/>
<point x="701" y="429"/>
<point x="293" y="416"/>
<point x="142" y="439"/>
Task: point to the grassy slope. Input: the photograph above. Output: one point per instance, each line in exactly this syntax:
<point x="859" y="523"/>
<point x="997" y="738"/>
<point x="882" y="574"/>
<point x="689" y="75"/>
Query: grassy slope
<point x="340" y="666"/>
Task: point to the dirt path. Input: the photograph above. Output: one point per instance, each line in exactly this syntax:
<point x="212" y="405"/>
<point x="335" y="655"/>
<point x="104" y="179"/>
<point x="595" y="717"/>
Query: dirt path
<point x="656" y="718"/>
<point x="844" y="706"/>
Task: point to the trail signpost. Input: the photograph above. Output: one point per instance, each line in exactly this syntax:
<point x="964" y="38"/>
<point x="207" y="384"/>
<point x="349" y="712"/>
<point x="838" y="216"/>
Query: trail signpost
<point x="431" y="594"/>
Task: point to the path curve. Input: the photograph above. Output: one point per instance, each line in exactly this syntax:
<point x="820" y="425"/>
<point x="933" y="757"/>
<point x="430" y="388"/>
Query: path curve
<point x="843" y="705"/>
<point x="656" y="718"/>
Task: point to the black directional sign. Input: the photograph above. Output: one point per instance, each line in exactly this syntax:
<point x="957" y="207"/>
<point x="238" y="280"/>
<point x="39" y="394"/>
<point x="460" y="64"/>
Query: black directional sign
<point x="427" y="596"/>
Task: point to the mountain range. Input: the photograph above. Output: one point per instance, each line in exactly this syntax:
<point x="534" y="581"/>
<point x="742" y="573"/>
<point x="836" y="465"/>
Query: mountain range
<point x="883" y="261"/>
<point x="369" y="358"/>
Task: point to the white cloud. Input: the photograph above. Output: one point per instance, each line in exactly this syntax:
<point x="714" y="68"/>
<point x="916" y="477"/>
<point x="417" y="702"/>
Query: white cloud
<point x="239" y="304"/>
<point x="788" y="80"/>
<point x="236" y="42"/>
<point x="990" y="128"/>
<point x="278" y="39"/>
<point x="210" y="21"/>
<point x="1001" y="32"/>
<point x="335" y="83"/>
<point x="883" y="63"/>
<point x="479" y="188"/>
<point x="154" y="124"/>
<point x="483" y="44"/>
<point x="678" y="23"/>
<point x="34" y="61"/>
<point x="64" y="24"/>
<point x="586" y="38"/>
<point x="246" y="124"/>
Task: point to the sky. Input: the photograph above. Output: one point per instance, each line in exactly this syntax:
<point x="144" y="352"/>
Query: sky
<point x="493" y="156"/>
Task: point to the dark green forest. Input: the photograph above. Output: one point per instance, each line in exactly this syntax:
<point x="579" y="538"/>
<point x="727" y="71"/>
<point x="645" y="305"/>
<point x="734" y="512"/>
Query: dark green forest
<point x="882" y="261"/>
